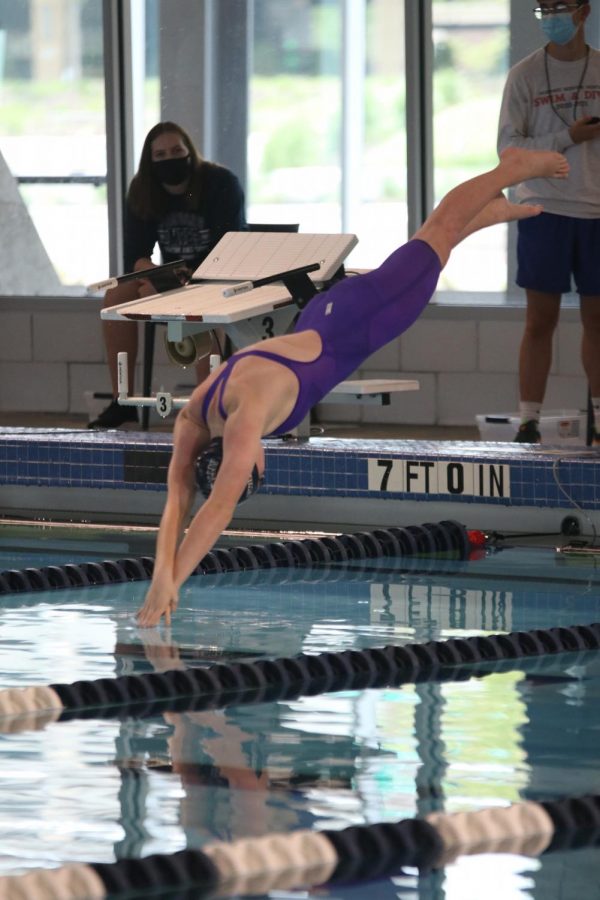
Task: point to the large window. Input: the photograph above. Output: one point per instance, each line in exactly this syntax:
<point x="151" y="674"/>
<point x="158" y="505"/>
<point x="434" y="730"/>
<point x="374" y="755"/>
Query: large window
<point x="313" y="120"/>
<point x="471" y="60"/>
<point x="53" y="142"/>
<point x="145" y="70"/>
<point x="52" y="146"/>
<point x="295" y="103"/>
<point x="380" y="210"/>
<point x="326" y="143"/>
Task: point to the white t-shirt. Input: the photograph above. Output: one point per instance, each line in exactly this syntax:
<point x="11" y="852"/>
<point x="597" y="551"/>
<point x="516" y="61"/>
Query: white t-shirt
<point x="538" y="108"/>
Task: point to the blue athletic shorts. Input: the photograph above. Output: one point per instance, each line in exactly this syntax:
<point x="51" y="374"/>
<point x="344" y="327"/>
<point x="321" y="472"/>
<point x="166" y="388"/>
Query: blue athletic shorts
<point x="551" y="249"/>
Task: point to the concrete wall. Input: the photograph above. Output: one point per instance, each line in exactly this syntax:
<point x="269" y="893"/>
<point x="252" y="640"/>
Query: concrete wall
<point x="465" y="359"/>
<point x="466" y="363"/>
<point x="51" y="353"/>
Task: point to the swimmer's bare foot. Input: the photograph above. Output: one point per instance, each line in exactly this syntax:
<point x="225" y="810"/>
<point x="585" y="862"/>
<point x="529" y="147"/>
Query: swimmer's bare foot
<point x="520" y="164"/>
<point x="502" y="210"/>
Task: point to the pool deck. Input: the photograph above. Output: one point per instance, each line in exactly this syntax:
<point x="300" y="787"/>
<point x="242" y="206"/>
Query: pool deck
<point x="331" y="483"/>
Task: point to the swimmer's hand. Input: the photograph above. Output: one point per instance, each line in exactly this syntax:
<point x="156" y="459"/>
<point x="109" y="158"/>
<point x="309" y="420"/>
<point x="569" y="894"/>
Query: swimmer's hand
<point x="160" y="650"/>
<point x="161" y="600"/>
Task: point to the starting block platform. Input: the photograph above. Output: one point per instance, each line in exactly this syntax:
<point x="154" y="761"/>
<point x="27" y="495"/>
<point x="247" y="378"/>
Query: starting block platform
<point x="246" y="318"/>
<point x="240" y="259"/>
<point x="369" y="390"/>
<point x="229" y="293"/>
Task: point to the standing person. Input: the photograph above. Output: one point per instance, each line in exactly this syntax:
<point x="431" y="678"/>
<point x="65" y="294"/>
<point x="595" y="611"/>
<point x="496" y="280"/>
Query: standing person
<point x="183" y="203"/>
<point x="269" y="388"/>
<point x="551" y="102"/>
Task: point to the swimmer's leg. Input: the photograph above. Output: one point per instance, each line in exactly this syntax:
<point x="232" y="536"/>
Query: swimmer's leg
<point x="478" y="202"/>
<point x="500" y="210"/>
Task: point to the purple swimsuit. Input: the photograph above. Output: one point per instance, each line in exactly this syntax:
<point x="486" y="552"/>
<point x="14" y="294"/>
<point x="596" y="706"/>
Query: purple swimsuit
<point x="355" y="318"/>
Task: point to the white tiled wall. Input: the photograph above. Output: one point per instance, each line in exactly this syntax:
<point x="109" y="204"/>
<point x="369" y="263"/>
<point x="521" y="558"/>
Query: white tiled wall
<point x="80" y="342"/>
<point x="498" y="346"/>
<point x="34" y="387"/>
<point x="442" y="346"/>
<point x="464" y="358"/>
<point x="461" y="395"/>
<point x="15" y="337"/>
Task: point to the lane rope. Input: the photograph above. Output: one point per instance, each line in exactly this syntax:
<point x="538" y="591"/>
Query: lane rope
<point x="445" y="539"/>
<point x="358" y="853"/>
<point x="284" y="678"/>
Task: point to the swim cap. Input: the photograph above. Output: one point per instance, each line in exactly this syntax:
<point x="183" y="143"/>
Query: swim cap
<point x="208" y="465"/>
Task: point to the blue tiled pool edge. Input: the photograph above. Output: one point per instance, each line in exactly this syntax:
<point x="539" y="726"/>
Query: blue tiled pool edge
<point x="131" y="469"/>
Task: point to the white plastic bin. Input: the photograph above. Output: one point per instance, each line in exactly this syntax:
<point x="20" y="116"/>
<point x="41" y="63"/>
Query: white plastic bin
<point x="557" y="426"/>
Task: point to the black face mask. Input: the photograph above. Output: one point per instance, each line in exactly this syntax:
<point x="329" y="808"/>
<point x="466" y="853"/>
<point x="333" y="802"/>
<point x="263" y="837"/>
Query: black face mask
<point x="173" y="171"/>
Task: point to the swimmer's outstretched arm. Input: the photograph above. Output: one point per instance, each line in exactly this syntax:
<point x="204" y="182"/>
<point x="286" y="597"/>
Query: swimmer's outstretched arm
<point x="241" y="446"/>
<point x="189" y="439"/>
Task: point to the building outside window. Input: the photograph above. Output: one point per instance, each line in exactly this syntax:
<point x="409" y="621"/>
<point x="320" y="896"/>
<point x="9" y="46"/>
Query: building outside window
<point x="294" y="149"/>
<point x="326" y="141"/>
<point x="471" y="61"/>
<point x="52" y="146"/>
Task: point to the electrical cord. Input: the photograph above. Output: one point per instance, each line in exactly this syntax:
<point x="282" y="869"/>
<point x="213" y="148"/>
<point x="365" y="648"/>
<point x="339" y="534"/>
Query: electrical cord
<point x="571" y="500"/>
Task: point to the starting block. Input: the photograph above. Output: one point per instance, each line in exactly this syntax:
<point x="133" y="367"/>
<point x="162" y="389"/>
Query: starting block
<point x="252" y="285"/>
<point x="369" y="390"/>
<point x="241" y="286"/>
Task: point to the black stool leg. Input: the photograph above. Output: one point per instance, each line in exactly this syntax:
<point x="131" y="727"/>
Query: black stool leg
<point x="149" y="329"/>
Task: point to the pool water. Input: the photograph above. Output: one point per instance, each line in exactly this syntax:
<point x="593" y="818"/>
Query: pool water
<point x="44" y="545"/>
<point x="94" y="790"/>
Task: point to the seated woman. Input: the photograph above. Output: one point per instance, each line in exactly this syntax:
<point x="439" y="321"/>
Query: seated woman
<point x="182" y="203"/>
<point x="268" y="388"/>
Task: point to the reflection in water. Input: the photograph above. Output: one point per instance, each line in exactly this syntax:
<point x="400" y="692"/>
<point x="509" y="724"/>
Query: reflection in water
<point x="240" y="770"/>
<point x="284" y="612"/>
<point x="560" y="738"/>
<point x="334" y="760"/>
<point x="115" y="789"/>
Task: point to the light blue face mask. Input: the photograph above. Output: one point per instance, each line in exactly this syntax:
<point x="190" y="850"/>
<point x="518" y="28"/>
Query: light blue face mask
<point x="559" y="28"/>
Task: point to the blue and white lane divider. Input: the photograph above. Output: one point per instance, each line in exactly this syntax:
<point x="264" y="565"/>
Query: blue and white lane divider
<point x="267" y="680"/>
<point x="255" y="866"/>
<point x="432" y="540"/>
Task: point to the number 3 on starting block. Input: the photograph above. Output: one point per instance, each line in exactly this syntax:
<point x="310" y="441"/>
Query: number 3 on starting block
<point x="164" y="403"/>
